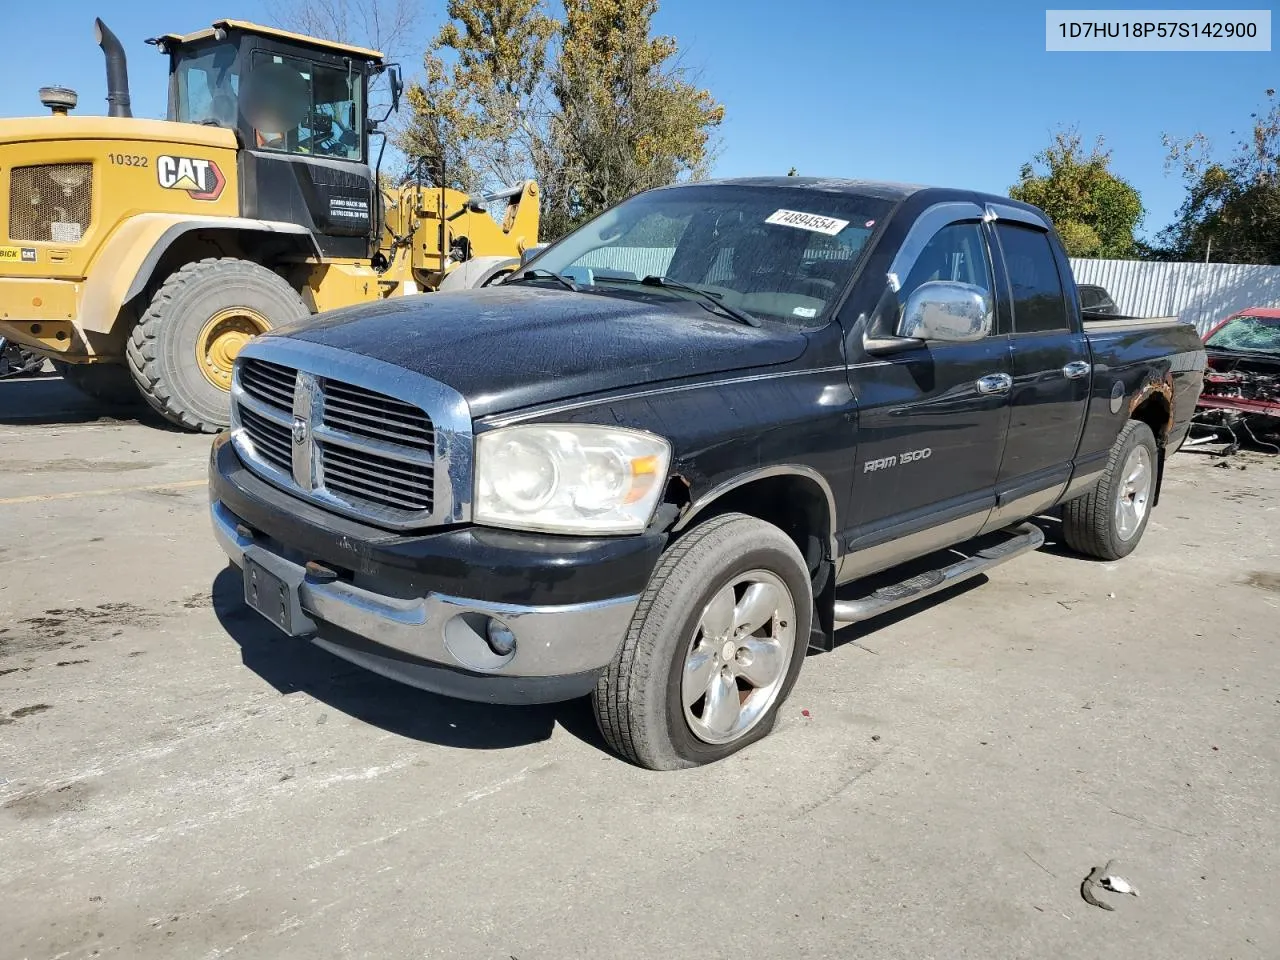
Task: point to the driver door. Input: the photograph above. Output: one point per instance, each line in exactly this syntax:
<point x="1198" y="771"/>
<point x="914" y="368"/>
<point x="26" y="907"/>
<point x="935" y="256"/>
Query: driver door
<point x="305" y="163"/>
<point x="932" y="421"/>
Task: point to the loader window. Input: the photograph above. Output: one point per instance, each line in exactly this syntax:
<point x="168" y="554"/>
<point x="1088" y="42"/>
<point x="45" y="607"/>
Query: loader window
<point x="208" y="85"/>
<point x="297" y="106"/>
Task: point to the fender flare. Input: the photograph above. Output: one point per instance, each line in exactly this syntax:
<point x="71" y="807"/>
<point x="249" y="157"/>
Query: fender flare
<point x="761" y="473"/>
<point x="477" y="272"/>
<point x="123" y="267"/>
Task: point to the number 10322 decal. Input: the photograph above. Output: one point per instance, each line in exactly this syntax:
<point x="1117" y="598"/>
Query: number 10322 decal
<point x="128" y="160"/>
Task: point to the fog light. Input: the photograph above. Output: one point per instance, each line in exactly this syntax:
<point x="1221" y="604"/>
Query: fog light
<point x="500" y="638"/>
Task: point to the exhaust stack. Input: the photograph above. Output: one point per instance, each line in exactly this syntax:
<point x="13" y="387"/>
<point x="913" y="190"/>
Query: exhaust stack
<point x="117" y="71"/>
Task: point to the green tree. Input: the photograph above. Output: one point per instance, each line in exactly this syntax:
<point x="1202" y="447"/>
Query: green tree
<point x="1231" y="213"/>
<point x="479" y="112"/>
<point x="591" y="105"/>
<point x="1094" y="211"/>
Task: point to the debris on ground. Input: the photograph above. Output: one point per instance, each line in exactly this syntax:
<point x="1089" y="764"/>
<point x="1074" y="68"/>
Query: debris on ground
<point x="1093" y="879"/>
<point x="1118" y="884"/>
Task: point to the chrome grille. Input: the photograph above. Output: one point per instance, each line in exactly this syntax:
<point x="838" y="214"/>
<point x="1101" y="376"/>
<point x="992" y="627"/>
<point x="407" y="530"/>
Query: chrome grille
<point x="363" y="413"/>
<point x="369" y="476"/>
<point x="270" y="383"/>
<point x="343" y="444"/>
<point x="271" y="441"/>
<point x="50" y="203"/>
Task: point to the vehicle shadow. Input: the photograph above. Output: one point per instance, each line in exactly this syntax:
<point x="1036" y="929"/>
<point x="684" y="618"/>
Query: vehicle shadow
<point x="291" y="665"/>
<point x="1054" y="544"/>
<point x="855" y="633"/>
<point x="47" y="400"/>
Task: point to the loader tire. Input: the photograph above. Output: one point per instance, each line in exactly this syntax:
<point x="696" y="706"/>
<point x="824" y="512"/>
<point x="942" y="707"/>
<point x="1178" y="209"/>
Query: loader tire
<point x="180" y="352"/>
<point x="108" y="383"/>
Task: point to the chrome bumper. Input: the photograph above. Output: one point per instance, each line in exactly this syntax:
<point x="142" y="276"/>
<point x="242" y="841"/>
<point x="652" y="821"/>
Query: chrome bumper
<point x="550" y="641"/>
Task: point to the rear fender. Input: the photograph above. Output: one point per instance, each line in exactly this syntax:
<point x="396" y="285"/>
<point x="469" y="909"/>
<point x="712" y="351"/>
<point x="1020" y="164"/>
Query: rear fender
<point x="129" y="258"/>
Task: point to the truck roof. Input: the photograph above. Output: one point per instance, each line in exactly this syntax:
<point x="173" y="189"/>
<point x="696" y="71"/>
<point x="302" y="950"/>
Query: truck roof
<point x="880" y="189"/>
<point x="244" y="26"/>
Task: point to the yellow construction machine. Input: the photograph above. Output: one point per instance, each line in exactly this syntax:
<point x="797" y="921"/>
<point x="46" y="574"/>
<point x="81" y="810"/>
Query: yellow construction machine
<point x="140" y="255"/>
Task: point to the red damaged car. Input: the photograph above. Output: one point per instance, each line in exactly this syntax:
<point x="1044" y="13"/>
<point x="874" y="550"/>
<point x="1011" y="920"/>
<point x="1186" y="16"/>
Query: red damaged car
<point x="1242" y="382"/>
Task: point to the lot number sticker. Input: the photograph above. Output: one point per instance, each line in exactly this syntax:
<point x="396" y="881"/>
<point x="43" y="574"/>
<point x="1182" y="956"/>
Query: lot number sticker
<point x="807" y="221"/>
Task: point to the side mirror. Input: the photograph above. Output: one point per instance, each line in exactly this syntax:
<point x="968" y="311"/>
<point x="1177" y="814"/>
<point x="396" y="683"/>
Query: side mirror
<point x="397" y="85"/>
<point x="946" y="311"/>
<point x="530" y="252"/>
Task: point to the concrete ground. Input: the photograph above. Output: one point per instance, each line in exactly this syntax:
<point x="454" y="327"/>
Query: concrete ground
<point x="176" y="781"/>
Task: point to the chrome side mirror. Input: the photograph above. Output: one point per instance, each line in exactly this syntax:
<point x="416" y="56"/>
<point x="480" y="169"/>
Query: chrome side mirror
<point x="947" y="311"/>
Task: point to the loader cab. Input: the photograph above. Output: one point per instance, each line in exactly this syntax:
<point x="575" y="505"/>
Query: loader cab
<point x="299" y="109"/>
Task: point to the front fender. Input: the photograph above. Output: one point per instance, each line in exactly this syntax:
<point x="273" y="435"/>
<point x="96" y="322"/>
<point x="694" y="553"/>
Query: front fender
<point x="129" y="256"/>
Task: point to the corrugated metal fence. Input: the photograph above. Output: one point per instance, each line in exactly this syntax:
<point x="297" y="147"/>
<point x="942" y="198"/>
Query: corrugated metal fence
<point x="1199" y="293"/>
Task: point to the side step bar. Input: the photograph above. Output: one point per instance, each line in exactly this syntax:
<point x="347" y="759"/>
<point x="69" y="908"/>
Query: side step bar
<point x="1023" y="538"/>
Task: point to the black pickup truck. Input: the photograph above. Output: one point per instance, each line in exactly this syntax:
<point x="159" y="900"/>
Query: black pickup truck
<point x="681" y="446"/>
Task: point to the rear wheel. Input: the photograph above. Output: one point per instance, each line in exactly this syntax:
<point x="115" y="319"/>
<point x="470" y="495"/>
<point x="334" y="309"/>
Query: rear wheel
<point x="1109" y="520"/>
<point x="714" y="648"/>
<point x="182" y="350"/>
<point x="107" y="383"/>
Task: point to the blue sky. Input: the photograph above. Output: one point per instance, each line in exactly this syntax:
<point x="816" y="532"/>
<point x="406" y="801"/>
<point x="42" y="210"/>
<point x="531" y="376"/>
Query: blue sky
<point x="943" y="92"/>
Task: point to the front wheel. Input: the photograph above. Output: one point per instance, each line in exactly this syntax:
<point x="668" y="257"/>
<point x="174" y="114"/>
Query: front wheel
<point x="183" y="349"/>
<point x="714" y="648"/>
<point x="1109" y="520"/>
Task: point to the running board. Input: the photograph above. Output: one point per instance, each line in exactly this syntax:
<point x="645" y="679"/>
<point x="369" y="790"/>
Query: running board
<point x="1023" y="538"/>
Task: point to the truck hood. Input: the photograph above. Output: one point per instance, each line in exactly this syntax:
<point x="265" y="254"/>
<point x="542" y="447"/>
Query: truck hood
<point x="509" y="347"/>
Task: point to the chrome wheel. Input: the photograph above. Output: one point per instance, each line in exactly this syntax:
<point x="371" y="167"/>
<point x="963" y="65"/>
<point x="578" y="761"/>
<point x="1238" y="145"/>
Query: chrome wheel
<point x="1136" y="481"/>
<point x="738" y="656"/>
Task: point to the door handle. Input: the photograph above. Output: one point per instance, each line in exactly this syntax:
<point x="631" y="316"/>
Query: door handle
<point x="1076" y="369"/>
<point x="995" y="383"/>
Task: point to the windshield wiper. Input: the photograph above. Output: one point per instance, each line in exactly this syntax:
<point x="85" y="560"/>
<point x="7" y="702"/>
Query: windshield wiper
<point x="705" y="298"/>
<point x="539" y="273"/>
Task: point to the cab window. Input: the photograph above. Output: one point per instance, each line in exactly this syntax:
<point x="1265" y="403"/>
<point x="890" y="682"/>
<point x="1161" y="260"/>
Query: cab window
<point x="208" y="84"/>
<point x="1039" y="303"/>
<point x="296" y="106"/>
<point x="956" y="252"/>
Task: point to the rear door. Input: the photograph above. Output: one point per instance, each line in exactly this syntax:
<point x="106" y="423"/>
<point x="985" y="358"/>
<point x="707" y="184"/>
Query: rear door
<point x="931" y="421"/>
<point x="1051" y="369"/>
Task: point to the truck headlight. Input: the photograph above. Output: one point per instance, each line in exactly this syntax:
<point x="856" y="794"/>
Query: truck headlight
<point x="569" y="478"/>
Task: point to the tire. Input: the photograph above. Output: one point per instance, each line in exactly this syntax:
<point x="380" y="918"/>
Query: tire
<point x="1095" y="524"/>
<point x="107" y="383"/>
<point x="638" y="700"/>
<point x="478" y="272"/>
<point x="179" y="381"/>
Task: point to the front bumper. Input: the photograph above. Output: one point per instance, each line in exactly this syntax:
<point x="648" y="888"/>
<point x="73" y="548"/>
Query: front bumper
<point x="416" y="609"/>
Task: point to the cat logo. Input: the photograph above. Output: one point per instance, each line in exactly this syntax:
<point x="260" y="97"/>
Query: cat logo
<point x="200" y="178"/>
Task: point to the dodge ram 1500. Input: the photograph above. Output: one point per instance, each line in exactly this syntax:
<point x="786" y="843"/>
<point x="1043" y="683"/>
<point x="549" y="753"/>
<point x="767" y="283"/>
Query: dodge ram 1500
<point x="680" y="447"/>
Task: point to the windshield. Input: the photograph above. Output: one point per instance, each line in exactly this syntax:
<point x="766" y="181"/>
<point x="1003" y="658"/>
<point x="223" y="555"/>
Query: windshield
<point x="1251" y="334"/>
<point x="208" y="85"/>
<point x="778" y="253"/>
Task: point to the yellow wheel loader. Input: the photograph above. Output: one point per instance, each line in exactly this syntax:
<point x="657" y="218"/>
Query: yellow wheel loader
<point x="141" y="255"/>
